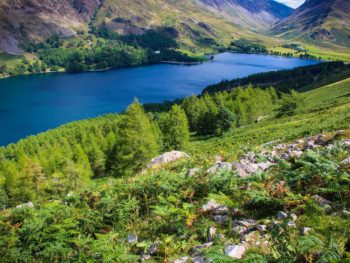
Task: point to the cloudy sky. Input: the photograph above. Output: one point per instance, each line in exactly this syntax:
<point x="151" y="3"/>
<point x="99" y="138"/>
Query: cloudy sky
<point x="292" y="3"/>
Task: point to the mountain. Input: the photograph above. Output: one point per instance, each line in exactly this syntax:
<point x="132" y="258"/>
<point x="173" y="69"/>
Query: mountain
<point x="31" y="20"/>
<point x="318" y="20"/>
<point x="196" y="21"/>
<point x="251" y="14"/>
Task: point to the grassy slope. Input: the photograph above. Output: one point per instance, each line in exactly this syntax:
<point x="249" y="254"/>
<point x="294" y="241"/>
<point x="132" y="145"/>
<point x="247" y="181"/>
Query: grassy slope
<point x="327" y="108"/>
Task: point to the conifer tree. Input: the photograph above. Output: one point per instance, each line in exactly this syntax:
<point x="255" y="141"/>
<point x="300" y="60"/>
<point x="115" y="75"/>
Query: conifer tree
<point x="225" y="120"/>
<point x="174" y="126"/>
<point x="136" y="142"/>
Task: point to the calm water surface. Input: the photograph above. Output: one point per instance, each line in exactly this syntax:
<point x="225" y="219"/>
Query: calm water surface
<point x="35" y="103"/>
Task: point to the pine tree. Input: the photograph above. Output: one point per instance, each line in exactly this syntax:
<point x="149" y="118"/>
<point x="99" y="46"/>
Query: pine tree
<point x="174" y="126"/>
<point x="225" y="120"/>
<point x="136" y="142"/>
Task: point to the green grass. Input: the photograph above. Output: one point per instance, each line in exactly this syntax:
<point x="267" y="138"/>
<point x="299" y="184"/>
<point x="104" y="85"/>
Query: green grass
<point x="327" y="109"/>
<point x="9" y="60"/>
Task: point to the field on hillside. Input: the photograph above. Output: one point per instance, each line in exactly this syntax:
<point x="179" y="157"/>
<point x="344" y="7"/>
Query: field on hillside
<point x="326" y="109"/>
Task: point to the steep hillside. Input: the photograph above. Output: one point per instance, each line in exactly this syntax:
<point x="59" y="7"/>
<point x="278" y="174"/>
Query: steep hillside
<point x="318" y="21"/>
<point x="251" y="14"/>
<point x="196" y="22"/>
<point x="31" y="21"/>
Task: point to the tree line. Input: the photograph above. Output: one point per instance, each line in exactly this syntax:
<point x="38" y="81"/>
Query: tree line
<point x="287" y="80"/>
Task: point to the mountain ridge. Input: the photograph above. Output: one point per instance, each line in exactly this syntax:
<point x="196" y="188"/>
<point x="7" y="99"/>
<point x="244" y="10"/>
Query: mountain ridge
<point x="324" y="21"/>
<point x="33" y="20"/>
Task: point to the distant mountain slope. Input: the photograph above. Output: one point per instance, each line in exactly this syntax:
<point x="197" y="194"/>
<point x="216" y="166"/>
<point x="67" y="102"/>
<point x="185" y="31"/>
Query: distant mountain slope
<point x="250" y="13"/>
<point x="318" y="20"/>
<point x="30" y="20"/>
<point x="197" y="21"/>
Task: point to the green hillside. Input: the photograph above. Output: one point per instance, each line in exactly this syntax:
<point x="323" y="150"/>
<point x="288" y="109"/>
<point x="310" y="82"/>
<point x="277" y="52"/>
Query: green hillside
<point x="80" y="209"/>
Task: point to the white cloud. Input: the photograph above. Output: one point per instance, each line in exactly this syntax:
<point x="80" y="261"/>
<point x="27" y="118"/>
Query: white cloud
<point x="292" y="3"/>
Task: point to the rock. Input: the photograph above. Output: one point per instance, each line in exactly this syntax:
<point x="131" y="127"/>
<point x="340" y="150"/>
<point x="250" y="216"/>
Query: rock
<point x="306" y="230"/>
<point x="239" y="229"/>
<point x="321" y="140"/>
<point x="235" y="251"/>
<point x="26" y="205"/>
<point x="199" y="259"/>
<point x="296" y="154"/>
<point x="215" y="208"/>
<point x="193" y="171"/>
<point x="221" y="219"/>
<point x="321" y="201"/>
<point x="211" y="233"/>
<point x="346" y="142"/>
<point x="220" y="166"/>
<point x="291" y="224"/>
<point x="244" y="222"/>
<point x="282" y="215"/>
<point x="240" y="169"/>
<point x="144" y="257"/>
<point x="310" y="144"/>
<point x="265" y="166"/>
<point x="195" y="250"/>
<point x="153" y="249"/>
<point x="251" y="237"/>
<point x="294" y="217"/>
<point x="132" y="238"/>
<point x="345" y="161"/>
<point x="167" y="157"/>
<point x="261" y="228"/>
<point x="182" y="260"/>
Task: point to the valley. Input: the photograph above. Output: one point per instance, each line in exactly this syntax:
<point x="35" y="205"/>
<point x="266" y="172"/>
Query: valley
<point x="175" y="131"/>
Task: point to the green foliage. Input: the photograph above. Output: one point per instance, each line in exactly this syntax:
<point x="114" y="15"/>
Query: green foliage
<point x="291" y="104"/>
<point x="136" y="142"/>
<point x="174" y="127"/>
<point x="304" y="78"/>
<point x="245" y="45"/>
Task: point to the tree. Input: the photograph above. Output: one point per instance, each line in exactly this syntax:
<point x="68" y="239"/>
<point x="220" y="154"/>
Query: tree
<point x="225" y="120"/>
<point x="136" y="142"/>
<point x="174" y="126"/>
<point x="291" y="104"/>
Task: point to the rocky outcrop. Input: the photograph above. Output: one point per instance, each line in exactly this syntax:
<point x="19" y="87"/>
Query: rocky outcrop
<point x="235" y="251"/>
<point x="167" y="157"/>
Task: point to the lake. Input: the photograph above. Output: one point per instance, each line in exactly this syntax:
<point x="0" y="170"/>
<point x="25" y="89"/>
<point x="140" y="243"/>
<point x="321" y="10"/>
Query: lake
<point x="35" y="103"/>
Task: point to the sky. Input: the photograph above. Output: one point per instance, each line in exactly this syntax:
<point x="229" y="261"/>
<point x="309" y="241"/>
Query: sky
<point x="292" y="3"/>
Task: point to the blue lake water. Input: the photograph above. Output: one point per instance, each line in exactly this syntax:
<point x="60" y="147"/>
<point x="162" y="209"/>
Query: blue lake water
<point x="35" y="103"/>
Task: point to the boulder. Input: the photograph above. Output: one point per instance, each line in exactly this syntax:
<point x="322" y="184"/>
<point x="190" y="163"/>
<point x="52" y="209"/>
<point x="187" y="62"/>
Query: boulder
<point x="221" y="219"/>
<point x="294" y="217"/>
<point x="182" y="260"/>
<point x="199" y="259"/>
<point x="321" y="201"/>
<point x="214" y="208"/>
<point x="132" y="238"/>
<point x="235" y="251"/>
<point x="167" y="157"/>
<point x="282" y="215"/>
<point x="345" y="162"/>
<point x="196" y="250"/>
<point x="211" y="234"/>
<point x="306" y="230"/>
<point x="239" y="229"/>
<point x="261" y="228"/>
<point x="193" y="172"/>
<point x="26" y="205"/>
<point x="153" y="249"/>
<point x="244" y="222"/>
<point x="220" y="166"/>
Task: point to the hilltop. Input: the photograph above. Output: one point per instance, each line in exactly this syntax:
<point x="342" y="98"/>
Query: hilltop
<point x="318" y="21"/>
